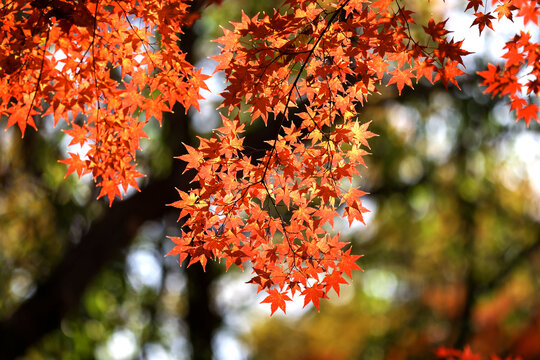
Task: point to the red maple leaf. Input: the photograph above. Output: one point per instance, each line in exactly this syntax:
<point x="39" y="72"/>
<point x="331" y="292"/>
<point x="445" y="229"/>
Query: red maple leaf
<point x="483" y="20"/>
<point x="276" y="300"/>
<point x="436" y="30"/>
<point x="75" y="164"/>
<point x="314" y="294"/>
<point x="449" y="73"/>
<point x="348" y="263"/>
<point x="334" y="280"/>
<point x="474" y="4"/>
<point x="528" y="113"/>
<point x="505" y="10"/>
<point x="401" y="77"/>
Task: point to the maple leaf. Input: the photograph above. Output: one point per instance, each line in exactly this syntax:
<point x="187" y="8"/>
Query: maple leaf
<point x="179" y="249"/>
<point x="193" y="158"/>
<point x="533" y="86"/>
<point x="425" y="69"/>
<point x="505" y="10"/>
<point x="491" y="76"/>
<point x="110" y="189"/>
<point x="314" y="294"/>
<point x="449" y="73"/>
<point x="450" y="50"/>
<point x="381" y="4"/>
<point x="467" y="354"/>
<point x="443" y="352"/>
<point x="348" y="263"/>
<point x="530" y="11"/>
<point x="474" y="4"/>
<point x="334" y="280"/>
<point x="483" y="20"/>
<point x="276" y="300"/>
<point x="436" y="30"/>
<point x="75" y="164"/>
<point x="528" y="113"/>
<point x="513" y="56"/>
<point x="401" y="78"/>
<point x="78" y="134"/>
<point x="517" y="102"/>
<point x="22" y="118"/>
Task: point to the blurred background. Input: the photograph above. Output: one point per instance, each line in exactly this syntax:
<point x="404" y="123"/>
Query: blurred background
<point x="452" y="243"/>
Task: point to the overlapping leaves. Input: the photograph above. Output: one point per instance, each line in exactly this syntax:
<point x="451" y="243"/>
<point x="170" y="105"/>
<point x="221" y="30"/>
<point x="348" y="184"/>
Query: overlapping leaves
<point x="99" y="66"/>
<point x="275" y="211"/>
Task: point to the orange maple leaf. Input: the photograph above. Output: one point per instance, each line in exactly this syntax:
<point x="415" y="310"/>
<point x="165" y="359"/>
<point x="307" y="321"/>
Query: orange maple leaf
<point x="276" y="299"/>
<point x="401" y="77"/>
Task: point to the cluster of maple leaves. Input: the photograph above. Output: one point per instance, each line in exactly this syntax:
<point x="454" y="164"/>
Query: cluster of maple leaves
<point x="100" y="66"/>
<point x="107" y="66"/>
<point x="323" y="61"/>
<point x="519" y="76"/>
<point x="467" y="354"/>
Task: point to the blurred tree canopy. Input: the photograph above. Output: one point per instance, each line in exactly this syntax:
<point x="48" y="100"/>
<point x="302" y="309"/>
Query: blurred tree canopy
<point x="452" y="247"/>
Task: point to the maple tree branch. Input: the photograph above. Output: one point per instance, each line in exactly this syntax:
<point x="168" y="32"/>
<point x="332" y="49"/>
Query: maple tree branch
<point x="283" y="225"/>
<point x="137" y="34"/>
<point x="39" y="76"/>
<point x="96" y="89"/>
<point x="295" y="82"/>
<point x="410" y="37"/>
<point x="6" y="5"/>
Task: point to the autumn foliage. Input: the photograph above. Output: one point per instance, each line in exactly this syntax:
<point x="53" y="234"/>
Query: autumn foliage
<point x="107" y="67"/>
<point x="275" y="211"/>
<point x="60" y="60"/>
<point x="467" y="354"/>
